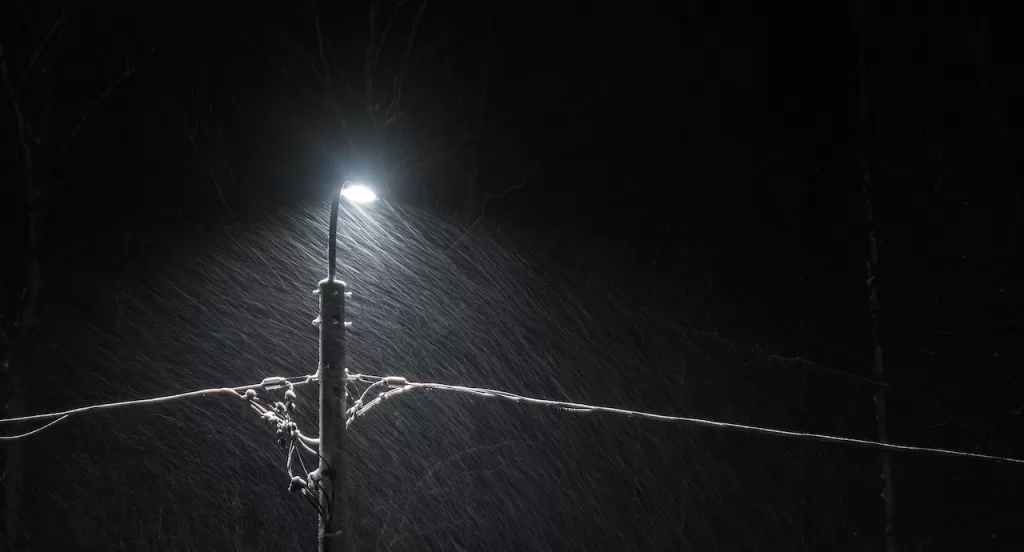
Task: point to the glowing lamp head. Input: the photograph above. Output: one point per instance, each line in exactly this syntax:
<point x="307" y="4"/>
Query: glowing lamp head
<point x="358" y="193"/>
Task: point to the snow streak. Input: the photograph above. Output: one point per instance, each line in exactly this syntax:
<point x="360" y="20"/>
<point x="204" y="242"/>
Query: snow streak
<point x="434" y="302"/>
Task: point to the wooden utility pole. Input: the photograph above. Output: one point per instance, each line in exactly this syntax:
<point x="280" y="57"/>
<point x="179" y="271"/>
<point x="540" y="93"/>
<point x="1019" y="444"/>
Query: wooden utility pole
<point x="874" y="305"/>
<point x="330" y="479"/>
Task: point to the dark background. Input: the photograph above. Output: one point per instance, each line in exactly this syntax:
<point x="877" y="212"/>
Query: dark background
<point x="652" y="208"/>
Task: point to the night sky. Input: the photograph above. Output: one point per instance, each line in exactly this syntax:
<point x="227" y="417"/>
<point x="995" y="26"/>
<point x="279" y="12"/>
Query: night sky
<point x="662" y="208"/>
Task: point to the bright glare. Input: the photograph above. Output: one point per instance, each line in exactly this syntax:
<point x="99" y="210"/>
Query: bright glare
<point x="358" y="193"/>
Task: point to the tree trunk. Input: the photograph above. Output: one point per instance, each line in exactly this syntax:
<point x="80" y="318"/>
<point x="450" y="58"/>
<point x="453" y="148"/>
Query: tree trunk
<point x="24" y="353"/>
<point x="15" y="464"/>
<point x="23" y="331"/>
<point x="1007" y="152"/>
<point x="881" y="414"/>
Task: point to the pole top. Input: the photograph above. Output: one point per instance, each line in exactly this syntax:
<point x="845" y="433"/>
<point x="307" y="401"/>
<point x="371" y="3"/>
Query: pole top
<point x="331" y="286"/>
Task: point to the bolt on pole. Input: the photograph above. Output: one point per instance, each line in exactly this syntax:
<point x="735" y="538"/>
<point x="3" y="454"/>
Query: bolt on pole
<point x="331" y="535"/>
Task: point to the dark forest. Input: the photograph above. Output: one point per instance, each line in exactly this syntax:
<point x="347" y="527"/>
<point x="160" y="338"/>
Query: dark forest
<point x="800" y="216"/>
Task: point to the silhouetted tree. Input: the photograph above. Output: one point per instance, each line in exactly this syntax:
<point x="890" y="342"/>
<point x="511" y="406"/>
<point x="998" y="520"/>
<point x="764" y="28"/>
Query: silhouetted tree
<point x="406" y="95"/>
<point x="48" y="120"/>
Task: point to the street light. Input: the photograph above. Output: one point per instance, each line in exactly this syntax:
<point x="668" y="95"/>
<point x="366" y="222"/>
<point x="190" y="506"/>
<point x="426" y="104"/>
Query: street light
<point x="331" y="534"/>
<point x="358" y="193"/>
<point x="353" y="192"/>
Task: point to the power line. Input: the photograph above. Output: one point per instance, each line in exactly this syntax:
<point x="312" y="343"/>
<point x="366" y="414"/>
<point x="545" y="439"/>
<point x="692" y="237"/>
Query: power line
<point x="399" y="385"/>
<point x="34" y="431"/>
<point x="392" y="386"/>
<point x="267" y="384"/>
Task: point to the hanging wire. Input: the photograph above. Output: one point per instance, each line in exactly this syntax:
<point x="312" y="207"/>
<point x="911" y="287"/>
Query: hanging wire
<point x="398" y="385"/>
<point x="291" y="439"/>
<point x="392" y="386"/>
<point x="34" y="431"/>
<point x="270" y="383"/>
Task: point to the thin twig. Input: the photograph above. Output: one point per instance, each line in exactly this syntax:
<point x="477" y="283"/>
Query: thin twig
<point x="483" y="211"/>
<point x="129" y="71"/>
<point x="375" y="48"/>
<point x="35" y="57"/>
<point x="396" y="97"/>
<point x="227" y="162"/>
<point x="290" y="77"/>
<point x="23" y="131"/>
<point x="323" y="56"/>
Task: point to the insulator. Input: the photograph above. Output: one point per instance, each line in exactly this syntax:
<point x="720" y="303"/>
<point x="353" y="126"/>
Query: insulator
<point x="296" y="484"/>
<point x="273" y="382"/>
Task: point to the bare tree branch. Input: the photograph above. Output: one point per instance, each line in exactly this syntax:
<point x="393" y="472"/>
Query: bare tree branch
<point x="344" y="78"/>
<point x="88" y="113"/>
<point x="293" y="44"/>
<point x="129" y="71"/>
<point x="323" y="56"/>
<point x="457" y="85"/>
<point x="23" y="130"/>
<point x="371" y="48"/>
<point x="424" y="52"/>
<point x="447" y="154"/>
<point x="483" y="210"/>
<point x="505" y="192"/>
<point x="190" y="132"/>
<point x="396" y="96"/>
<point x="291" y="78"/>
<point x="39" y="50"/>
<point x="227" y="163"/>
<point x="296" y="47"/>
<point x="377" y="44"/>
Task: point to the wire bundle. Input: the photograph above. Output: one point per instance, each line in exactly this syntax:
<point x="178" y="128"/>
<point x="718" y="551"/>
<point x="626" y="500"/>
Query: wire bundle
<point x="387" y="387"/>
<point x="290" y="438"/>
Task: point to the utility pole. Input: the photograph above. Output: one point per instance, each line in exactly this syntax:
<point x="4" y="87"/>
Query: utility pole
<point x="332" y="374"/>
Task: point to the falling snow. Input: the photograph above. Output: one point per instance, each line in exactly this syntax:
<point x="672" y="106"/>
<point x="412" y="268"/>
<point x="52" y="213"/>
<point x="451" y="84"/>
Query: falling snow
<point x="432" y="302"/>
